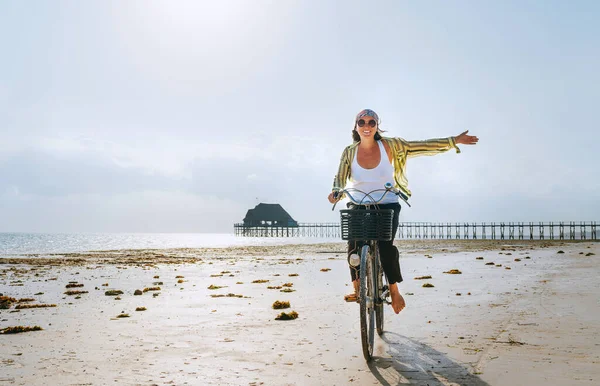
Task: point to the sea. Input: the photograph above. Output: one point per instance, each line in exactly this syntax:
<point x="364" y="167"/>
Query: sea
<point x="18" y="244"/>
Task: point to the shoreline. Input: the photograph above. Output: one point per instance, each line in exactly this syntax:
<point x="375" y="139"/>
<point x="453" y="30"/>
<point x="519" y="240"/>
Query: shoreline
<point x="194" y="254"/>
<point x="524" y="325"/>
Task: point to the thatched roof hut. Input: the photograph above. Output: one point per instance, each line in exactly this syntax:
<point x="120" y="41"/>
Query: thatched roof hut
<point x="269" y="215"/>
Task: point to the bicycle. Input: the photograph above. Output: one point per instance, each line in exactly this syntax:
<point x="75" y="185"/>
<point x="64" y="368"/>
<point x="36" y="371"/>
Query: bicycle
<point x="369" y="226"/>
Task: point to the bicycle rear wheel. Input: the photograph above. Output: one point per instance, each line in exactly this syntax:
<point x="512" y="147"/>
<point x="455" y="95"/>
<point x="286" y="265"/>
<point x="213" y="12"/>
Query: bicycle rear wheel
<point x="367" y="302"/>
<point x="378" y="278"/>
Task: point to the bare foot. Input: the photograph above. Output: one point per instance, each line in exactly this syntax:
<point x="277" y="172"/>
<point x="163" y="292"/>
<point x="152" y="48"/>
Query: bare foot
<point x="398" y="303"/>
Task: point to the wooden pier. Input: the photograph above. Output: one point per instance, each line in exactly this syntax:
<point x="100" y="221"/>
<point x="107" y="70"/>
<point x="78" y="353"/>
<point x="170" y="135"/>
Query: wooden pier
<point x="325" y="230"/>
<point x="570" y="230"/>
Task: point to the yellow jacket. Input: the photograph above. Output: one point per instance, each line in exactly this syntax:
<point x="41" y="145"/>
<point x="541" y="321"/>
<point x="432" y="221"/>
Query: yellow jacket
<point x="401" y="151"/>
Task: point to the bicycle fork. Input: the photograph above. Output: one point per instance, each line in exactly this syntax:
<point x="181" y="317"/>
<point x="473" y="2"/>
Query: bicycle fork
<point x="385" y="289"/>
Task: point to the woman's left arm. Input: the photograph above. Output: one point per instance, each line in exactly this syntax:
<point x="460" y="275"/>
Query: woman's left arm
<point x="438" y="145"/>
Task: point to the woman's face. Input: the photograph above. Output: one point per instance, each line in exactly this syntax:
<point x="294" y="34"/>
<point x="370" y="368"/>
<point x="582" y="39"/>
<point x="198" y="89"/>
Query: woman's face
<point x="369" y="127"/>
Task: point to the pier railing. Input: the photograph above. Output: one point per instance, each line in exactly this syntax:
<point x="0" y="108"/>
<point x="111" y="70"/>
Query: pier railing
<point x="324" y="230"/>
<point x="563" y="230"/>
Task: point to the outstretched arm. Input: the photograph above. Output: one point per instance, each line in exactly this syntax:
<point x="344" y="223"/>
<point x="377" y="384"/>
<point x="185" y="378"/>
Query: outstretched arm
<point x="438" y="145"/>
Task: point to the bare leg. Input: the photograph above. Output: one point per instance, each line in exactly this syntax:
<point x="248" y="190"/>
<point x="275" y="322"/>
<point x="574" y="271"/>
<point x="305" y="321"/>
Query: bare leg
<point x="398" y="303"/>
<point x="354" y="296"/>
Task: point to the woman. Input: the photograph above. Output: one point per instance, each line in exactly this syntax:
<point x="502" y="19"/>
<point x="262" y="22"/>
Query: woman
<point x="370" y="162"/>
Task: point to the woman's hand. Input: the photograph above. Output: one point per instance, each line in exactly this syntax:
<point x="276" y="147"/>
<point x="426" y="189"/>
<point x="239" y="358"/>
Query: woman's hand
<point x="465" y="139"/>
<point x="332" y="199"/>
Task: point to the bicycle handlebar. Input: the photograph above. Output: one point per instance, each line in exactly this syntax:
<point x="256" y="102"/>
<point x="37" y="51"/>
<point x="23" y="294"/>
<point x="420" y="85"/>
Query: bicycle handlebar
<point x="388" y="187"/>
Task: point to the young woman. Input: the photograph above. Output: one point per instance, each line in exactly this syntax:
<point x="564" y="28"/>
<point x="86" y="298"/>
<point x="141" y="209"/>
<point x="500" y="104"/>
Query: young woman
<point x="367" y="164"/>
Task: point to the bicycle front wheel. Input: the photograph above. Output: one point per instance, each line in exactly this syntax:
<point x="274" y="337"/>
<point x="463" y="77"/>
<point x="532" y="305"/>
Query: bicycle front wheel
<point x="367" y="302"/>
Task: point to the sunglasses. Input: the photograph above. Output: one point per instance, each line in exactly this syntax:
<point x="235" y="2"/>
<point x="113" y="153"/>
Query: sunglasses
<point x="361" y="123"/>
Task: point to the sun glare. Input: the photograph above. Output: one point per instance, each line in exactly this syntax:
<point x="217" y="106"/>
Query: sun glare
<point x="201" y="15"/>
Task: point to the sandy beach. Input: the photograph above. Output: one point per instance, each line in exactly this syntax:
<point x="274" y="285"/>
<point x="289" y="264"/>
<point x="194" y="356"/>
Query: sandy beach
<point x="532" y="317"/>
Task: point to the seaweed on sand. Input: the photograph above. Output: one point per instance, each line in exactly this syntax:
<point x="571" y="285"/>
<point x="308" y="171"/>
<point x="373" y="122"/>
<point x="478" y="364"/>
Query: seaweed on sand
<point x="287" y="316"/>
<point x="6" y="302"/>
<point x="229" y="295"/>
<point x="24" y="306"/>
<point x="75" y="292"/>
<point x="19" y="329"/>
<point x="454" y="272"/>
<point x="280" y="305"/>
<point x="423" y="277"/>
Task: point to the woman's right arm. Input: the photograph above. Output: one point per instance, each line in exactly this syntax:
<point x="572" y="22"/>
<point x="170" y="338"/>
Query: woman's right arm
<point x="339" y="181"/>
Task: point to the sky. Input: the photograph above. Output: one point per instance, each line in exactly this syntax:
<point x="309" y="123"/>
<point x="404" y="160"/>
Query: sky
<point x="179" y="116"/>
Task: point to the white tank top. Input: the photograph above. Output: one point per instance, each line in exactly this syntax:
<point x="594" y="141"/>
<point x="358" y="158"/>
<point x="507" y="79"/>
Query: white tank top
<point x="372" y="179"/>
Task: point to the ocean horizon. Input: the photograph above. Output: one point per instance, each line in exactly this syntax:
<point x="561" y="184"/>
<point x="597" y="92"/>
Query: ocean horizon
<point x="24" y="243"/>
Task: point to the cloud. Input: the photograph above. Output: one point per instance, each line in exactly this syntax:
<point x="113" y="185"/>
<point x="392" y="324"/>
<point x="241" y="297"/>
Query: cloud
<point x="101" y="178"/>
<point x="147" y="185"/>
<point x="142" y="211"/>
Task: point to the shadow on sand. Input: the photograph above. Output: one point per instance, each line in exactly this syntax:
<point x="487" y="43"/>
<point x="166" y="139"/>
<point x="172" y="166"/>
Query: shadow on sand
<point x="415" y="363"/>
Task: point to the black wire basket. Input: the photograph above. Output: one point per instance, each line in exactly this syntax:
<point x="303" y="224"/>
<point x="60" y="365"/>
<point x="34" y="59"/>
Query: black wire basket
<point x="371" y="224"/>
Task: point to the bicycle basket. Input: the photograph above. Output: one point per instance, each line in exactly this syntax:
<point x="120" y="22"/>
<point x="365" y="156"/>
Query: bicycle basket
<point x="372" y="224"/>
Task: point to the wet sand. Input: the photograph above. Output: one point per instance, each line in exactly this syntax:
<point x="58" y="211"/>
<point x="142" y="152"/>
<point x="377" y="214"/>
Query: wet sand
<point x="534" y="323"/>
